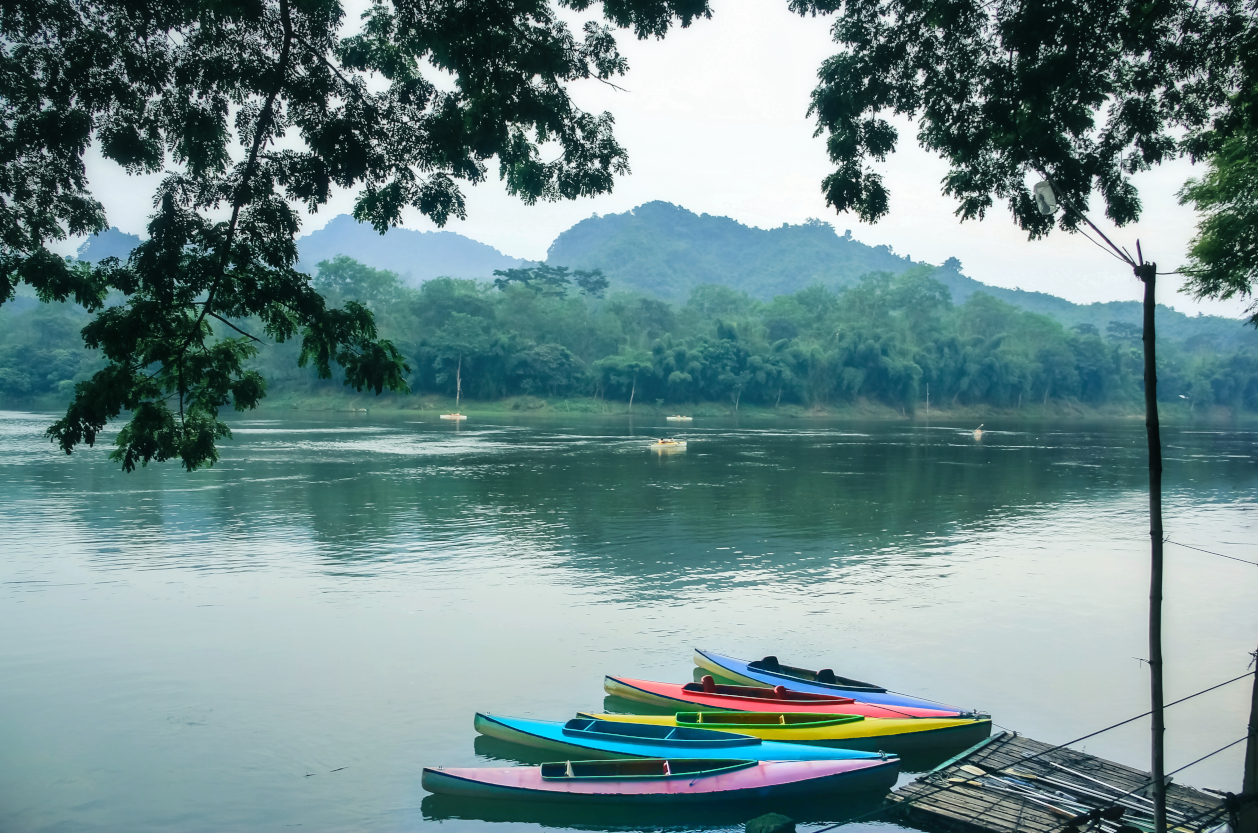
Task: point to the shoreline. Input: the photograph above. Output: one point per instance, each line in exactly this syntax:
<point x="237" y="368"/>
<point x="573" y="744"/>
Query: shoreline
<point x="347" y="403"/>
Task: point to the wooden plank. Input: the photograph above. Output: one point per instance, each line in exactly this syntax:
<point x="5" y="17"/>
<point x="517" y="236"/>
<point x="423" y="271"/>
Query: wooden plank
<point x="993" y="807"/>
<point x="1027" y="822"/>
<point x="987" y="741"/>
<point x="1011" y="817"/>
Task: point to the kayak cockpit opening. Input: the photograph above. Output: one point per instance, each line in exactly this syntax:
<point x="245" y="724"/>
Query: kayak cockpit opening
<point x="710" y="687"/>
<point x="791" y="719"/>
<point x="825" y="676"/>
<point x="641" y="768"/>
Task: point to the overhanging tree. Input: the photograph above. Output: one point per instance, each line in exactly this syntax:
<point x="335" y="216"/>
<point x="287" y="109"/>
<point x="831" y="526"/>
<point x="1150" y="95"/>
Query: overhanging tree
<point x="1223" y="257"/>
<point x="253" y="108"/>
<point x="1080" y="93"/>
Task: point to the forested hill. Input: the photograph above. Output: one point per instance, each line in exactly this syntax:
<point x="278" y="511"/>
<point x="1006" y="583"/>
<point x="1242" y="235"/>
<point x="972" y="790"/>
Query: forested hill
<point x="664" y="251"/>
<point x="888" y="339"/>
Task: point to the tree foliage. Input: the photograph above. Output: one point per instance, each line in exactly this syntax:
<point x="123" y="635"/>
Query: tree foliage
<point x="1087" y="92"/>
<point x="1223" y="257"/>
<point x="253" y="108"/>
<point x="553" y="281"/>
<point x="884" y="341"/>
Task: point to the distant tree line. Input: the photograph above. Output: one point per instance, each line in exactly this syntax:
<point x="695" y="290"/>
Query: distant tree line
<point x="547" y="332"/>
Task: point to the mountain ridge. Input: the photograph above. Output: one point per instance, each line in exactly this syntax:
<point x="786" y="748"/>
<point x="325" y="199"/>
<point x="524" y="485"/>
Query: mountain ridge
<point x="663" y="251"/>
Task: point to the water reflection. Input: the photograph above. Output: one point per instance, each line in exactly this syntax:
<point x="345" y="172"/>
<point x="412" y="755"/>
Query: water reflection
<point x="350" y="591"/>
<point x="726" y="814"/>
<point x="605" y="504"/>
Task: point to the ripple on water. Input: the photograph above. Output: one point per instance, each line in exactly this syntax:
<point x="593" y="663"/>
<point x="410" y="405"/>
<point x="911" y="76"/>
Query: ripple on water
<point x="346" y="593"/>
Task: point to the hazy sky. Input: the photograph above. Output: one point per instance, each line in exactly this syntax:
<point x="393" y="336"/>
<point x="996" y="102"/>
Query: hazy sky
<point x="715" y="120"/>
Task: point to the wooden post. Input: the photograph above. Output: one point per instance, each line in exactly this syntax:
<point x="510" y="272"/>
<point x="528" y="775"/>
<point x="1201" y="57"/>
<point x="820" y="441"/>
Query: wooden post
<point x="1147" y="272"/>
<point x="1248" y="815"/>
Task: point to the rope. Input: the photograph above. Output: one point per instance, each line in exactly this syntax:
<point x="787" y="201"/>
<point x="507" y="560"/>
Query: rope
<point x="1208" y="552"/>
<point x="948" y="787"/>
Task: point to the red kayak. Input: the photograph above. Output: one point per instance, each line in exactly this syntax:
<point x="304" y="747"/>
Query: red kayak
<point x="738" y="698"/>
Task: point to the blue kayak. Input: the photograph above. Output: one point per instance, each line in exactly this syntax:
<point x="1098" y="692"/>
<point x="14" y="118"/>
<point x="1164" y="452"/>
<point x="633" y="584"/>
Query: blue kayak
<point x="588" y="737"/>
<point x="769" y="672"/>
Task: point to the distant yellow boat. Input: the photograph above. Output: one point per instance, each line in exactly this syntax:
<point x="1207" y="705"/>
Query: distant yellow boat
<point x="679" y="418"/>
<point x="668" y="443"/>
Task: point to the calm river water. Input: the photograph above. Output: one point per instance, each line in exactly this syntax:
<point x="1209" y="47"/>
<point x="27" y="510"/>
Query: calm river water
<point x="286" y="639"/>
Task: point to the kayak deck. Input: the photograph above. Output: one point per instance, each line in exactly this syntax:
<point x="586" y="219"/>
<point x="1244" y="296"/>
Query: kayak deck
<point x="839" y="731"/>
<point x="771" y="672"/>
<point x="711" y="696"/>
<point x="662" y="780"/>
<point x="596" y="738"/>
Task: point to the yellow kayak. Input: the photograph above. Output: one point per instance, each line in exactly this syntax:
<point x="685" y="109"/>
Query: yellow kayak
<point x="873" y="734"/>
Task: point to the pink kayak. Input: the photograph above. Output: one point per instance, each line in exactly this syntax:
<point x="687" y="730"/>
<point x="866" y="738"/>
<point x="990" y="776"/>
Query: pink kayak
<point x="738" y="698"/>
<point x="658" y="780"/>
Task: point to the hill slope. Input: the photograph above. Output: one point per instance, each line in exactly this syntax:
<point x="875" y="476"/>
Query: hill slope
<point x="415" y="255"/>
<point x="109" y="243"/>
<point x="664" y="251"/>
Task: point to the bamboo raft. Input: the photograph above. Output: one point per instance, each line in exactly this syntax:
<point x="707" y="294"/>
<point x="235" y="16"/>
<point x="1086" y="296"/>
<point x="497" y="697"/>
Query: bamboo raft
<point x="997" y="787"/>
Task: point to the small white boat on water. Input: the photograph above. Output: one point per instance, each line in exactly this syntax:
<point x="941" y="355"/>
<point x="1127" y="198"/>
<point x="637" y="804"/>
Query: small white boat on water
<point x="679" y="418"/>
<point x="458" y="393"/>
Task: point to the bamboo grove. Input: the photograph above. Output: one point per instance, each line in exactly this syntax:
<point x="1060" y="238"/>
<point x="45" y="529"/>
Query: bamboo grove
<point x="882" y="341"/>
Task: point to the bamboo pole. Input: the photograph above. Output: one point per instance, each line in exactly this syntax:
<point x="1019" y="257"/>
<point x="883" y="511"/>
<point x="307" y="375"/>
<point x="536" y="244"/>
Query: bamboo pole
<point x="1248" y="813"/>
<point x="1147" y="272"/>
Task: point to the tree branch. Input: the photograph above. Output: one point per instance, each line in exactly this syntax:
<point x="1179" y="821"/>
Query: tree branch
<point x="234" y="327"/>
<point x="264" y="120"/>
<point x="335" y="71"/>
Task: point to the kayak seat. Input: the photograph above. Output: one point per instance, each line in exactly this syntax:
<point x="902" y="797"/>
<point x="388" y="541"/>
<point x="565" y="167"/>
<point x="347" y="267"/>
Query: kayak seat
<point x="769" y="663"/>
<point x="779" y="691"/>
<point x="826" y="675"/>
<point x="709" y="684"/>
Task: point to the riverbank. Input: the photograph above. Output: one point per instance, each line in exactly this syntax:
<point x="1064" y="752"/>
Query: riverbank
<point x="342" y="401"/>
<point x="861" y="409"/>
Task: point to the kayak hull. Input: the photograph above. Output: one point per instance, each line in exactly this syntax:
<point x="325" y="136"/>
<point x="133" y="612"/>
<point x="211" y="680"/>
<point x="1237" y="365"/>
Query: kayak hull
<point x="560" y="738"/>
<point x="763" y="779"/>
<point x="740" y="671"/>
<point x="899" y="737"/>
<point x="682" y="698"/>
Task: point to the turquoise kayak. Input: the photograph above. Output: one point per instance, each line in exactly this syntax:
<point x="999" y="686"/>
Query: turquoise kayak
<point x="603" y="738"/>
